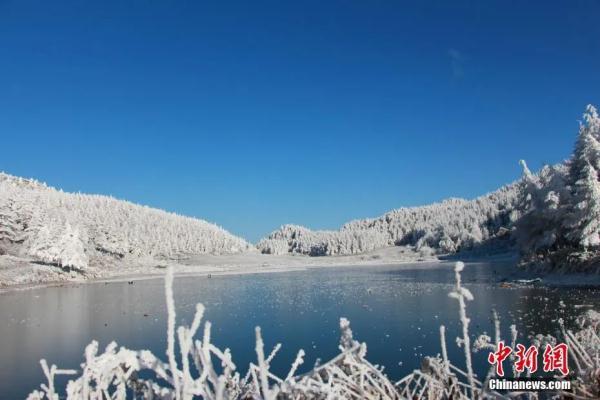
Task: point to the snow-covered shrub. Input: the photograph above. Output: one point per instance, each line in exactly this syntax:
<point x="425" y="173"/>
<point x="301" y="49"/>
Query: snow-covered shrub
<point x="273" y="246"/>
<point x="587" y="358"/>
<point x="446" y="245"/>
<point x="426" y="251"/>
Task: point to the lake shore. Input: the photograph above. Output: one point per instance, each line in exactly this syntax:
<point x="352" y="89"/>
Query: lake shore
<point x="22" y="274"/>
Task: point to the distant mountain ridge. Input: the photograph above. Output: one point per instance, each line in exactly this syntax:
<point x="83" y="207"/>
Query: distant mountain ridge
<point x="74" y="229"/>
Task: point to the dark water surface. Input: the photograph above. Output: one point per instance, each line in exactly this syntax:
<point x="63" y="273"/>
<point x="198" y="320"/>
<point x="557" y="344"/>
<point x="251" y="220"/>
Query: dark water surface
<point x="397" y="310"/>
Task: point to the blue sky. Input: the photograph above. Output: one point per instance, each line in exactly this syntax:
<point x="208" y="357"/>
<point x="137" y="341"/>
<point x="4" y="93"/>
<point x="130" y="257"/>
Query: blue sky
<point x="255" y="114"/>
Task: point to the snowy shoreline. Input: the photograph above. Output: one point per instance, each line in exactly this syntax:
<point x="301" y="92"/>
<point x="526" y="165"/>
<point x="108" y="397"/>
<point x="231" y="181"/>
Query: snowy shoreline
<point x="19" y="274"/>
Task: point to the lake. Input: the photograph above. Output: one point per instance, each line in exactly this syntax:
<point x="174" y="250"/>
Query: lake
<point x="397" y="310"/>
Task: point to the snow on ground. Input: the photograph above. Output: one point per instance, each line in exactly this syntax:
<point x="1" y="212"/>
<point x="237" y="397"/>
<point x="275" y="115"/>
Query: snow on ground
<point x="26" y="272"/>
<point x="22" y="273"/>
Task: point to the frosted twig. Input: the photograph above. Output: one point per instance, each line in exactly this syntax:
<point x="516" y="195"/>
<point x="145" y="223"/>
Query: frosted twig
<point x="171" y="331"/>
<point x="297" y="362"/>
<point x="444" y="350"/>
<point x="262" y="365"/>
<point x="461" y="294"/>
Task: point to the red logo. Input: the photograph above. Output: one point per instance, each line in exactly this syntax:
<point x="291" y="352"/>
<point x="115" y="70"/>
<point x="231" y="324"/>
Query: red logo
<point x="526" y="358"/>
<point x="555" y="358"/>
<point x="498" y="357"/>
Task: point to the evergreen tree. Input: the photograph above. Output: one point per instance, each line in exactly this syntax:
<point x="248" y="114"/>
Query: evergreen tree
<point x="583" y="222"/>
<point x="11" y="216"/>
<point x="44" y="245"/>
<point x="72" y="249"/>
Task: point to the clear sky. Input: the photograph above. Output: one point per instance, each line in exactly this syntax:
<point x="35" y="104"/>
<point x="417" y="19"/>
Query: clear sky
<point x="253" y="114"/>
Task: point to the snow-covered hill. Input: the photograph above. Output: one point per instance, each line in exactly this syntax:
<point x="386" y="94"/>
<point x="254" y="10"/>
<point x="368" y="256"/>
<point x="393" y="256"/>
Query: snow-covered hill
<point x="552" y="217"/>
<point x="74" y="230"/>
<point x="449" y="226"/>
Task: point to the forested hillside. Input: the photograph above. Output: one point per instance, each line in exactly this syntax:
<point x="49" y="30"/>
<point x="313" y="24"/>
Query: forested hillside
<point x="69" y="229"/>
<point x="448" y="226"/>
<point x="552" y="217"/>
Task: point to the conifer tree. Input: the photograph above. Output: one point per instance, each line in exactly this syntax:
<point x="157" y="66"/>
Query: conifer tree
<point x="72" y="248"/>
<point x="583" y="222"/>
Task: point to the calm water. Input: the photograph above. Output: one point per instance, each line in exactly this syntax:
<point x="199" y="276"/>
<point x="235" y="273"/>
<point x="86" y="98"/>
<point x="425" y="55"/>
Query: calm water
<point x="396" y="310"/>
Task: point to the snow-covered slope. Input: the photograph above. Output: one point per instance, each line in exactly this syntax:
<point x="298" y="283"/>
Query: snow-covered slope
<point x="553" y="217"/>
<point x="71" y="229"/>
<point x="449" y="225"/>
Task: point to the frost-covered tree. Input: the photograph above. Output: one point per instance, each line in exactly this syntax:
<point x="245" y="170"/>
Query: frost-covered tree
<point x="11" y="223"/>
<point x="72" y="248"/>
<point x="44" y="246"/>
<point x="584" y="218"/>
<point x="273" y="246"/>
<point x="560" y="226"/>
<point x="542" y="199"/>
